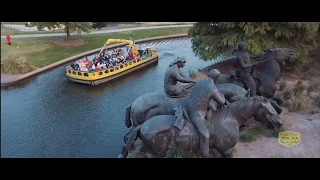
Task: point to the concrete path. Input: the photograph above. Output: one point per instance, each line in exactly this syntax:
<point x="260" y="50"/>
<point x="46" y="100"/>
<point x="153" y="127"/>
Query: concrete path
<point x="95" y="32"/>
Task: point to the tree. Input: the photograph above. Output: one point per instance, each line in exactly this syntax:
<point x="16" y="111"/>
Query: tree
<point x="98" y="25"/>
<point x="68" y="26"/>
<point x="212" y="39"/>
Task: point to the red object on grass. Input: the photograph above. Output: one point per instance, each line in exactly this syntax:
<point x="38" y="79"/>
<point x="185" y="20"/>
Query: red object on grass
<point x="8" y="38"/>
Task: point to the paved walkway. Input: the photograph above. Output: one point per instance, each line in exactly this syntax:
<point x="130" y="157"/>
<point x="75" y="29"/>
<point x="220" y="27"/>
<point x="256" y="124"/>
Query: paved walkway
<point x="95" y="32"/>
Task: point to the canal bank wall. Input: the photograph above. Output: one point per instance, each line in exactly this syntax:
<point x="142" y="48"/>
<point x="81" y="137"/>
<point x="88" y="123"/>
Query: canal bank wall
<point x="7" y="79"/>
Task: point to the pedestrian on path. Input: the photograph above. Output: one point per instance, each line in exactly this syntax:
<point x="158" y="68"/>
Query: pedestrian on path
<point x="8" y="39"/>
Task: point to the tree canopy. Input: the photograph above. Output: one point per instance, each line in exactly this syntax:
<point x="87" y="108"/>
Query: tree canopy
<point x="212" y="39"/>
<point x="68" y="26"/>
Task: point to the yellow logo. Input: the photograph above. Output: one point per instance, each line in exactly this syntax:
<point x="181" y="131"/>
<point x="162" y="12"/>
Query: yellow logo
<point x="289" y="138"/>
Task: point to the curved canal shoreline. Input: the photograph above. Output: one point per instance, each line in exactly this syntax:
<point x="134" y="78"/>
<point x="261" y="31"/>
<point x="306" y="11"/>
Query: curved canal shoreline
<point x="8" y="79"/>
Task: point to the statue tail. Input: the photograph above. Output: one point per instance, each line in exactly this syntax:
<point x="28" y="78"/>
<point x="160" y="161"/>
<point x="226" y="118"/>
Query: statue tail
<point x="133" y="137"/>
<point x="128" y="116"/>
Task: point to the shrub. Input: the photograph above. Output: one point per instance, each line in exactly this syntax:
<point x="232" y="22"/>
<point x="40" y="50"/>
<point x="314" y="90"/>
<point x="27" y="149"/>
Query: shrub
<point x="15" y="65"/>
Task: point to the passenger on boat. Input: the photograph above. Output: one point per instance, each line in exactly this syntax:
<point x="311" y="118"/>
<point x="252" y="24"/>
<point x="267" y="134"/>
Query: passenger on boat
<point x="114" y="54"/>
<point x="96" y="59"/>
<point x="107" y="53"/>
<point x="140" y="50"/>
<point x="120" y="51"/>
<point x="82" y="65"/>
<point x="109" y="65"/>
<point x="109" y="56"/>
<point x="114" y="51"/>
<point x="120" y="58"/>
<point x="91" y="68"/>
<point x="106" y="58"/>
<point x="114" y="62"/>
<point x="87" y="62"/>
<point x="96" y="67"/>
<point x="100" y="64"/>
<point x="75" y="65"/>
<point x="131" y="54"/>
<point x="101" y="56"/>
<point x="104" y="65"/>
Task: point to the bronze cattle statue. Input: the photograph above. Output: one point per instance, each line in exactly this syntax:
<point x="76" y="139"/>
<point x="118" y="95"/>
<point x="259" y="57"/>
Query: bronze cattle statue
<point x="158" y="133"/>
<point x="266" y="75"/>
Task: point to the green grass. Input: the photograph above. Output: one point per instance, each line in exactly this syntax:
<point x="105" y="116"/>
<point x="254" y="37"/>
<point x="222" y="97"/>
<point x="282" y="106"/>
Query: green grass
<point x="275" y="132"/>
<point x="259" y="130"/>
<point x="42" y="51"/>
<point x="252" y="134"/>
<point x="5" y="31"/>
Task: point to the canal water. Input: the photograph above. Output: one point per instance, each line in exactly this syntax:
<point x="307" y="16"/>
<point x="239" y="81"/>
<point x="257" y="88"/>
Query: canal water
<point x="48" y="116"/>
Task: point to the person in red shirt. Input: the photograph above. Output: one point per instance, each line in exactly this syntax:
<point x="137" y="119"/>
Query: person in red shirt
<point x="96" y="67"/>
<point x="8" y="39"/>
<point x="131" y="55"/>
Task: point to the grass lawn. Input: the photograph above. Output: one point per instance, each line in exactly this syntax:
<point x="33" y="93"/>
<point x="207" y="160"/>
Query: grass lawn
<point x="42" y="51"/>
<point x="5" y="31"/>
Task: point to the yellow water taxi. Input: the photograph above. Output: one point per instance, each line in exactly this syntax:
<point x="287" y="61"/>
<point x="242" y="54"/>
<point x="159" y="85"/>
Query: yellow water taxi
<point x="141" y="57"/>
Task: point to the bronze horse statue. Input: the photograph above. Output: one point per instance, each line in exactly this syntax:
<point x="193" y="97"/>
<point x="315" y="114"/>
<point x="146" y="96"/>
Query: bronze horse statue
<point x="152" y="104"/>
<point x="158" y="133"/>
<point x="265" y="74"/>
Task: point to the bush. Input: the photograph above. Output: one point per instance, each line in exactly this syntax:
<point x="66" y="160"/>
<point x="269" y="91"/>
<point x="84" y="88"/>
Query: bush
<point x="15" y="65"/>
<point x="298" y="103"/>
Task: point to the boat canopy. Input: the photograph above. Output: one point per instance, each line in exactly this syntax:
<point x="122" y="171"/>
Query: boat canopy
<point x="130" y="42"/>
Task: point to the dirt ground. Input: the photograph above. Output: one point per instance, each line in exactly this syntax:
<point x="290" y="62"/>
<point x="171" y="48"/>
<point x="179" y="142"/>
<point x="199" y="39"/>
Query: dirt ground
<point x="307" y="124"/>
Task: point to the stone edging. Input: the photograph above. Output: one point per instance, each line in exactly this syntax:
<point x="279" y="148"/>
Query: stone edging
<point x="9" y="79"/>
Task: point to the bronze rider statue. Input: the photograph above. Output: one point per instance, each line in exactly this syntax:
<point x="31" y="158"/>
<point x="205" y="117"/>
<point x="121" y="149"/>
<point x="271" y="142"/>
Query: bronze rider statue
<point x="172" y="78"/>
<point x="203" y="91"/>
<point x="243" y="58"/>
